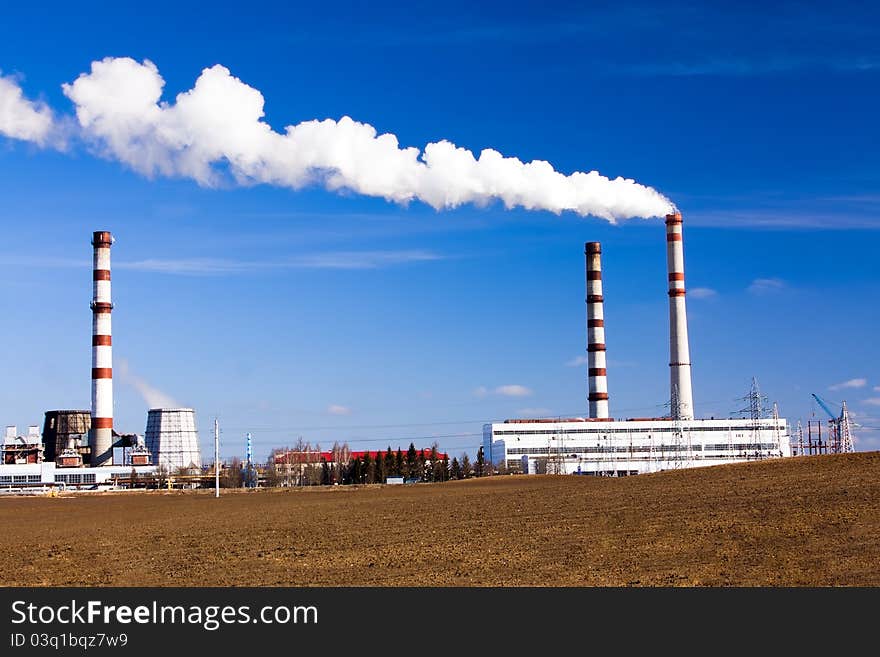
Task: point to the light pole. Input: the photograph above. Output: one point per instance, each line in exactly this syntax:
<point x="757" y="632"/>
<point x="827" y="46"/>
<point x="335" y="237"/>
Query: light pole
<point x="216" y="458"/>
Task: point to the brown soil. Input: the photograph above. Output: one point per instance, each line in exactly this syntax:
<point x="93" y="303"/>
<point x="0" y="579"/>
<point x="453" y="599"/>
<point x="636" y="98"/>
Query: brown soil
<point x="811" y="521"/>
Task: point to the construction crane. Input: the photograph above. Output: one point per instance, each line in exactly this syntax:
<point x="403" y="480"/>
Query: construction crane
<point x="842" y="439"/>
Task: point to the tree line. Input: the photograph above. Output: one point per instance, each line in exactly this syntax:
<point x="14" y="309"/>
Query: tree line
<point x="344" y="468"/>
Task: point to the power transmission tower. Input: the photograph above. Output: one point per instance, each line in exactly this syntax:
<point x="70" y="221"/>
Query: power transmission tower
<point x="844" y="428"/>
<point x="755" y="411"/>
<point x="675" y="412"/>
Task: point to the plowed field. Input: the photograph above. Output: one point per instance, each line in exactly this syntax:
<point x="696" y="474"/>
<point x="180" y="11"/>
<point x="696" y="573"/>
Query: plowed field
<point x="812" y="521"/>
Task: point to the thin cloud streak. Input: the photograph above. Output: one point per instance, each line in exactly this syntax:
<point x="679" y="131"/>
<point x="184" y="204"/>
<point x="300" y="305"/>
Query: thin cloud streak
<point x="852" y="383"/>
<point x="343" y="260"/>
<point x="337" y="409"/>
<point x="763" y="286"/>
<point x="702" y="293"/>
<point x="784" y="219"/>
<point x="747" y="67"/>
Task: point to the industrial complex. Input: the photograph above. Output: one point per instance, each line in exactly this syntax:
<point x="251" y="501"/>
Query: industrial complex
<point x="600" y="445"/>
<point x="81" y="448"/>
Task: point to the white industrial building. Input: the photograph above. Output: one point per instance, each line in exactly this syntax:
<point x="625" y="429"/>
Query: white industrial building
<point x="599" y="444"/>
<point x="37" y="476"/>
<point x="628" y="447"/>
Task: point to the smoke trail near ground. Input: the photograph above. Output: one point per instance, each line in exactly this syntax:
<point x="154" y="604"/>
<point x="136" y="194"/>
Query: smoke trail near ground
<point x="21" y="118"/>
<point x="153" y="397"/>
<point x="216" y="129"/>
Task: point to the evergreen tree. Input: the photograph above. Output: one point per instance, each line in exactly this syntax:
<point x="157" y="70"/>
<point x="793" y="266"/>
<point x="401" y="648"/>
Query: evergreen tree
<point x="369" y="474"/>
<point x="398" y="464"/>
<point x="389" y="462"/>
<point x="455" y="471"/>
<point x="420" y="465"/>
<point x="380" y="468"/>
<point x="354" y="471"/>
<point x="479" y="469"/>
<point x="466" y="469"/>
<point x="411" y="461"/>
<point x="444" y="470"/>
<point x="325" y="472"/>
<point x="433" y="459"/>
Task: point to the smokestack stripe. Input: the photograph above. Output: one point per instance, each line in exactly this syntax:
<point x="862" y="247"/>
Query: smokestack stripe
<point x="679" y="349"/>
<point x="596" y="373"/>
<point x="101" y="432"/>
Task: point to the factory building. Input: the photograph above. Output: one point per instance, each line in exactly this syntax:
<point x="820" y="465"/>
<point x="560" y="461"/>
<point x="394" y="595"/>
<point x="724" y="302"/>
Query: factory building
<point x="601" y="445"/>
<point x="21" y="449"/>
<point x="80" y="448"/>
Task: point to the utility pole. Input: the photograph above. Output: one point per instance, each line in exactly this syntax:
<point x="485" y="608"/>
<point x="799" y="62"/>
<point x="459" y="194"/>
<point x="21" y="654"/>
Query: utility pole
<point x="216" y="458"/>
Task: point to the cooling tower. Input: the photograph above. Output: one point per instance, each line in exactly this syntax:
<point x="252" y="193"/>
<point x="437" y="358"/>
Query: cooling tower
<point x="172" y="438"/>
<point x="59" y="427"/>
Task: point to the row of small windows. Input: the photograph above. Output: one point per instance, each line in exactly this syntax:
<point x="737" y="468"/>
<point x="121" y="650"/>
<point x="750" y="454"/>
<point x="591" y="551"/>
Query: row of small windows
<point x="88" y="478"/>
<point x="654" y="459"/>
<point x="542" y="432"/>
<point x="598" y="449"/>
<point x="20" y="479"/>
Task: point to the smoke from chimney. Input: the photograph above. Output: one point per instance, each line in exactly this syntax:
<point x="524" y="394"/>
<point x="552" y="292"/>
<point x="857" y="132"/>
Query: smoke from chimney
<point x="152" y="396"/>
<point x="218" y="127"/>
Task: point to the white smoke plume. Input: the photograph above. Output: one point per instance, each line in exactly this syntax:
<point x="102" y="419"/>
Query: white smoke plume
<point x="153" y="397"/>
<point x="217" y="126"/>
<point x="21" y="118"/>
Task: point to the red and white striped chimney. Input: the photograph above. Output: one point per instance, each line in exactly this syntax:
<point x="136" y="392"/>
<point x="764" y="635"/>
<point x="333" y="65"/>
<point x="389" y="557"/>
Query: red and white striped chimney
<point x="101" y="432"/>
<point x="679" y="351"/>
<point x="596" y="375"/>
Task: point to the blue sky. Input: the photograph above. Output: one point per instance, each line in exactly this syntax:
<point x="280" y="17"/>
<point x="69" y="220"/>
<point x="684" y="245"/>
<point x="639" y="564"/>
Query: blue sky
<point x="338" y="316"/>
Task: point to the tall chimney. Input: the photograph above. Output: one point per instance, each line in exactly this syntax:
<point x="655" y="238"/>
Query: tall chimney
<point x="101" y="432"/>
<point x="681" y="395"/>
<point x="596" y="375"/>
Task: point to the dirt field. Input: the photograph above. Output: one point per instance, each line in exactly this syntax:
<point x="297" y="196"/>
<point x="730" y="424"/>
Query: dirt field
<point x="811" y="521"/>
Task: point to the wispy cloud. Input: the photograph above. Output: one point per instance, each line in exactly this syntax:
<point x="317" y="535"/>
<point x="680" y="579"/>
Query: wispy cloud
<point x="763" y="286"/>
<point x="873" y="401"/>
<point x="21" y="118"/>
<point x="513" y="390"/>
<point x="702" y="293"/>
<point x="328" y="260"/>
<point x="510" y="390"/>
<point x="220" y="266"/>
<point x="534" y="412"/>
<point x="757" y="66"/>
<point x="577" y="361"/>
<point x="851" y="383"/>
<point x="794" y="215"/>
<point x="338" y="409"/>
